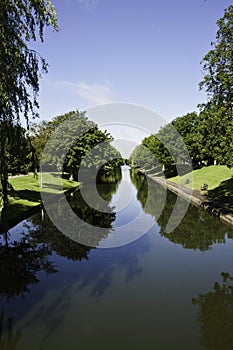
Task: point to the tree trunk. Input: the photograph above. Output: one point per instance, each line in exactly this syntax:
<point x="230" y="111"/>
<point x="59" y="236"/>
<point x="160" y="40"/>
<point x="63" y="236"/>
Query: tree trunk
<point x="3" y="166"/>
<point x="210" y="161"/>
<point x="4" y="182"/>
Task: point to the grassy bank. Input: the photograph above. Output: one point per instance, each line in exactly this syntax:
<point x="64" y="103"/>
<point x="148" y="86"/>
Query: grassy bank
<point x="26" y="194"/>
<point x="219" y="179"/>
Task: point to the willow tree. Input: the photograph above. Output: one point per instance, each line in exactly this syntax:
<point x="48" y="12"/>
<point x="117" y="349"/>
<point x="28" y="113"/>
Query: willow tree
<point x="21" y="23"/>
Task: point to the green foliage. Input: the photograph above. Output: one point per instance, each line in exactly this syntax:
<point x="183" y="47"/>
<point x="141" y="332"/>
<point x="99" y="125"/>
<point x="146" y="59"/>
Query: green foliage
<point x="76" y="138"/>
<point x="18" y="150"/>
<point x="218" y="63"/>
<point x="188" y="128"/>
<point x="16" y="155"/>
<point x="21" y="67"/>
<point x="20" y="20"/>
<point x="216" y="130"/>
<point x="168" y="146"/>
<point x="208" y="135"/>
<point x="216" y="115"/>
<point x="143" y="157"/>
<point x="158" y="149"/>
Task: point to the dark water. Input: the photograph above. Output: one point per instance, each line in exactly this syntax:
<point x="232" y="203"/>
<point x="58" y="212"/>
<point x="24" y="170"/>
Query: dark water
<point x="162" y="291"/>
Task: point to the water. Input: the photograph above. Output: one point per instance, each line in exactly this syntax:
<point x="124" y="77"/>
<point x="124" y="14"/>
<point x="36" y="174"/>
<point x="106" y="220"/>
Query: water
<point x="162" y="291"/>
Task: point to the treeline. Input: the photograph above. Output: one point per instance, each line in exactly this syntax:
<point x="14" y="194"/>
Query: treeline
<point x="72" y="140"/>
<point x="208" y="134"/>
<point x="75" y="136"/>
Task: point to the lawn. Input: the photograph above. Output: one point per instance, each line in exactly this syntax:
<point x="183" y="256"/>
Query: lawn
<point x="218" y="177"/>
<point x="26" y="193"/>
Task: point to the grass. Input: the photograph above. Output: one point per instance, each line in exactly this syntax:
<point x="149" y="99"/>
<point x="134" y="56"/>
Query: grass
<point x="26" y="193"/>
<point x="212" y="175"/>
<point x="218" y="177"/>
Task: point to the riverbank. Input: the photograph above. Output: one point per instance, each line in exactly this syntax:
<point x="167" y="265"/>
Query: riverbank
<point x="214" y="206"/>
<point x="25" y="198"/>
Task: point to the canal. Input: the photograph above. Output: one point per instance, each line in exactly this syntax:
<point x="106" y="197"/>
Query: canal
<point x="159" y="291"/>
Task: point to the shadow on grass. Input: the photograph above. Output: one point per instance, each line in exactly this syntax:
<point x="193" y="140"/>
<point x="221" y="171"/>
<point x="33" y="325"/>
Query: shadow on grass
<point x="174" y="169"/>
<point x="30" y="195"/>
<point x="223" y="192"/>
<point x="34" y="196"/>
<point x="222" y="197"/>
<point x="15" y="213"/>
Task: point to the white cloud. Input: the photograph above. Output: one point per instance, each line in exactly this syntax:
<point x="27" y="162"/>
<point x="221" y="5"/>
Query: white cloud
<point x="94" y="93"/>
<point x="88" y="4"/>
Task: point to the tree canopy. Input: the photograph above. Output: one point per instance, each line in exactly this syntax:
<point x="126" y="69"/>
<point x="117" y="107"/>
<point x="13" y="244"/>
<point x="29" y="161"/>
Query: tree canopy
<point x="208" y="135"/>
<point x="78" y="138"/>
<point x="217" y="113"/>
<point x="21" y="22"/>
<point x="218" y="63"/>
<point x="18" y="149"/>
<point x="170" y="145"/>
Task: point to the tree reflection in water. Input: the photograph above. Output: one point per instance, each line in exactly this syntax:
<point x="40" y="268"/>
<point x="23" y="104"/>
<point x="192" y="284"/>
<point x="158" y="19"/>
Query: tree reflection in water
<point x="22" y="259"/>
<point x="8" y="338"/>
<point x="20" y="262"/>
<point x="67" y="246"/>
<point x="206" y="229"/>
<point x="216" y="315"/>
<point x="101" y="277"/>
<point x="80" y="283"/>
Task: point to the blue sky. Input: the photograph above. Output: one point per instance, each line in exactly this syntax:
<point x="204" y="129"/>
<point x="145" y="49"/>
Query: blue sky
<point x="141" y="52"/>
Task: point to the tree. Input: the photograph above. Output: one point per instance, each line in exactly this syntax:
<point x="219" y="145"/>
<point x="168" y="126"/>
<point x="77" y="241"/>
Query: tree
<point x="143" y="157"/>
<point x="18" y="149"/>
<point x="76" y="137"/>
<point x="167" y="148"/>
<point x="21" y="21"/>
<point x="216" y="133"/>
<point x="218" y="63"/>
<point x="217" y="113"/>
<point x="188" y="128"/>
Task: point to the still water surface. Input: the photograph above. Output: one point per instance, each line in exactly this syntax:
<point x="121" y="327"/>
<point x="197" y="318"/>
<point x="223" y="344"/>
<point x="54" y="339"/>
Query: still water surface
<point x="162" y="291"/>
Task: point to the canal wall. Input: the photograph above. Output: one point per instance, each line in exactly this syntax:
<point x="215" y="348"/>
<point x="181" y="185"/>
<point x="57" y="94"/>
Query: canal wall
<point x="212" y="206"/>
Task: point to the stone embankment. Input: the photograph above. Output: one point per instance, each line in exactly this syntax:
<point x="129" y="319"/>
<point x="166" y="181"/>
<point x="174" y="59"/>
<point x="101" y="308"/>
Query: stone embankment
<point x="213" y="206"/>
